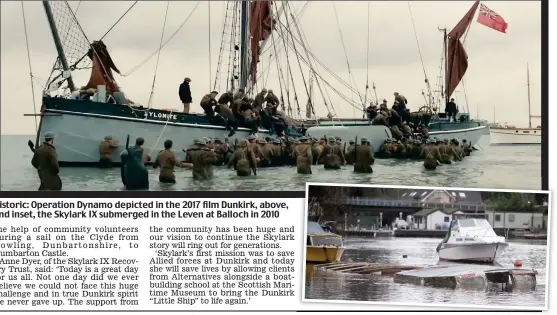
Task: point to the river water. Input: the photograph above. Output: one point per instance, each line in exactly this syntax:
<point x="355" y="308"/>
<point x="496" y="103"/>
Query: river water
<point x="513" y="167"/>
<point x="421" y="251"/>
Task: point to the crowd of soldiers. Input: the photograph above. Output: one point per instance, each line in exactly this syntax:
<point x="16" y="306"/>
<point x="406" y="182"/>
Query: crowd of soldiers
<point x="237" y="109"/>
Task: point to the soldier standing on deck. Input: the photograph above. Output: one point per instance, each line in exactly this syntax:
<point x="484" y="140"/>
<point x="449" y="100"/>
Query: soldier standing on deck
<point x="185" y="94"/>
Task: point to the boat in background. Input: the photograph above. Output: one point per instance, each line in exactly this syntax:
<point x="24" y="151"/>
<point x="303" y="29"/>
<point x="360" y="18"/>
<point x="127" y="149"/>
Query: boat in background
<point x="322" y="246"/>
<point x="535" y="236"/>
<point x="471" y="240"/>
<point x="513" y="135"/>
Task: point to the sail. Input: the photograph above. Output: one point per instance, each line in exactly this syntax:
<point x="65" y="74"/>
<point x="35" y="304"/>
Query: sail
<point x="260" y="27"/>
<point x="457" y="59"/>
<point x="101" y="74"/>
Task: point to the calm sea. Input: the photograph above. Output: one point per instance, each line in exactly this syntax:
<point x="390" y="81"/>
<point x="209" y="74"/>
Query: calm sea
<point x="513" y="167"/>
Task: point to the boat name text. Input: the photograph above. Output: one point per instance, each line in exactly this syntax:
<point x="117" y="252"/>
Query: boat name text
<point x="165" y="116"/>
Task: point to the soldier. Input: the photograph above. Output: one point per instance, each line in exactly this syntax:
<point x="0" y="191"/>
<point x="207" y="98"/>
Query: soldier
<point x="272" y="99"/>
<point x="208" y="102"/>
<point x="226" y="99"/>
<point x="259" y="100"/>
<point x="202" y="160"/>
<point x="136" y="175"/>
<point x="243" y="160"/>
<point x="332" y="156"/>
<point x="45" y="160"/>
<point x="303" y="157"/>
<point x="350" y="153"/>
<point x="267" y="153"/>
<point x="185" y="94"/>
<point x="167" y="160"/>
<point x="431" y="155"/>
<point x="106" y="148"/>
<point x="364" y="157"/>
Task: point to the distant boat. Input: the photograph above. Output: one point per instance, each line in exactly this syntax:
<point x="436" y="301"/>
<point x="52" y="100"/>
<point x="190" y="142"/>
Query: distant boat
<point x="535" y="236"/>
<point x="322" y="246"/>
<point x="513" y="135"/>
<point x="471" y="240"/>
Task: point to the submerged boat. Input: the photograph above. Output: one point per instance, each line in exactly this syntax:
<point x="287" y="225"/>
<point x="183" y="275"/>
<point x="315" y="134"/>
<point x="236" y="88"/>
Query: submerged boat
<point x="471" y="240"/>
<point x="322" y="246"/>
<point x="455" y="64"/>
<point x="513" y="135"/>
<point x="535" y="236"/>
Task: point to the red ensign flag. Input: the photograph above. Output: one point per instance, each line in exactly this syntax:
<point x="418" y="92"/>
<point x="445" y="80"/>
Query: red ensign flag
<point x="491" y="19"/>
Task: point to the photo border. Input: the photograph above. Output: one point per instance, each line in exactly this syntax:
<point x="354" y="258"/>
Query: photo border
<point x="460" y="306"/>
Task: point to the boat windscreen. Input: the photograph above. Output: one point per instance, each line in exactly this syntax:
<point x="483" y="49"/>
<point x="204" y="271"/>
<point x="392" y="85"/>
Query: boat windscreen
<point x="315" y="228"/>
<point x="467" y="223"/>
<point x="482" y="223"/>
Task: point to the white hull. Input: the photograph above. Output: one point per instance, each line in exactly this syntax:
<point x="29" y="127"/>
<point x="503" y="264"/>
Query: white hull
<point x="378" y="134"/>
<point x="515" y="136"/>
<point x="473" y="252"/>
<point x="375" y="134"/>
<point x="78" y="136"/>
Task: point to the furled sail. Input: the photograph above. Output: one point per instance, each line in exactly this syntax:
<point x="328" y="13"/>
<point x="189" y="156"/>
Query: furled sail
<point x="261" y="25"/>
<point x="457" y="59"/>
<point x="101" y="74"/>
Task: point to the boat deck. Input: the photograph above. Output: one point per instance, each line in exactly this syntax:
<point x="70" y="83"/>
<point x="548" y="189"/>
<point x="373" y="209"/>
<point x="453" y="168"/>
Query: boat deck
<point x="363" y="268"/>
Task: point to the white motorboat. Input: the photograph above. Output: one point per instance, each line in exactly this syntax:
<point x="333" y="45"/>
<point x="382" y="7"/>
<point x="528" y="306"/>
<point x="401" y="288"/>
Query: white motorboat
<point x="471" y="240"/>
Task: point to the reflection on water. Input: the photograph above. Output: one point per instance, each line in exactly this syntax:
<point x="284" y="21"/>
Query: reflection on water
<point x="517" y="167"/>
<point x="421" y="251"/>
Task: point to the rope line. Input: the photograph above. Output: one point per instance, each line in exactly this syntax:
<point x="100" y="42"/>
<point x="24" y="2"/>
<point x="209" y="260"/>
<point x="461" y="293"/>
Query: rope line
<point x="139" y="65"/>
<point x="30" y="68"/>
<point x="159" y="56"/>
<point x="117" y="21"/>
<point x="209" y="38"/>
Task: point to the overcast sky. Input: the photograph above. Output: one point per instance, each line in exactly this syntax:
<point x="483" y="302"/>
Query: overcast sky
<point x="496" y="77"/>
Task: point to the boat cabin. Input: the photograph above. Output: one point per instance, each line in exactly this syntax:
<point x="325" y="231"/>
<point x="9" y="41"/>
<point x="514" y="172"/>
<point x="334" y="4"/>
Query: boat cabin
<point x="318" y="236"/>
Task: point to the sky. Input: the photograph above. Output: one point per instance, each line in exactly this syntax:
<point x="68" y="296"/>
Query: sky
<point x="495" y="83"/>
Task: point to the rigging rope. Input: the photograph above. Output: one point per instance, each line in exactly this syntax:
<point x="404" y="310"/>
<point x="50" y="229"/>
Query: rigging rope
<point x="159" y="56"/>
<point x="117" y="21"/>
<point x="420" y="52"/>
<point x="319" y="62"/>
<point x="307" y="52"/>
<point x="209" y="27"/>
<point x="30" y="68"/>
<point x="299" y="63"/>
<point x="139" y="65"/>
<point x="350" y="75"/>
<point x="367" y="63"/>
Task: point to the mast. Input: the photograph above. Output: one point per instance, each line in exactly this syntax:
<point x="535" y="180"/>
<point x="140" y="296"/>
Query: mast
<point x="445" y="55"/>
<point x="529" y="105"/>
<point x="244" y="46"/>
<point x="58" y="43"/>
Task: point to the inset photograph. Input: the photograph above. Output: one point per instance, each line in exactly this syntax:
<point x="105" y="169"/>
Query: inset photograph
<point x="466" y="248"/>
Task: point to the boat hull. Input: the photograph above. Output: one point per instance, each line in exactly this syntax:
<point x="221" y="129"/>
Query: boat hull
<point x="472" y="252"/>
<point x="378" y="134"/>
<point x="515" y="136"/>
<point x="323" y="254"/>
<point x="78" y="135"/>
